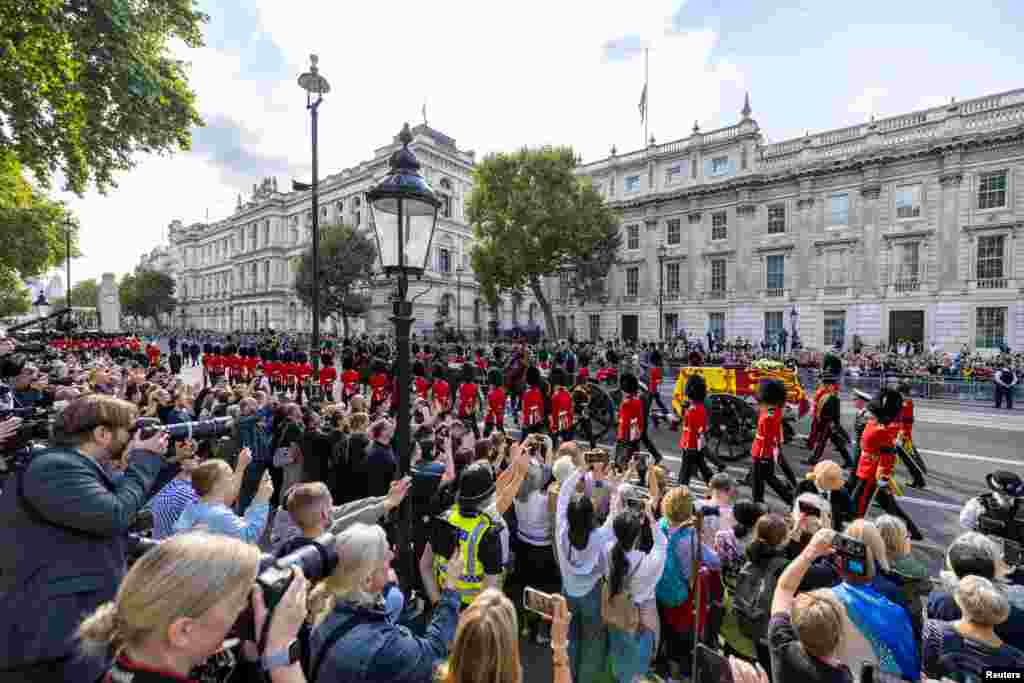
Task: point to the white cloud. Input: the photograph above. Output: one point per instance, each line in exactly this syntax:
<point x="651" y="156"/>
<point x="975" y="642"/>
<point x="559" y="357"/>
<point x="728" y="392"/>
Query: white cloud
<point x="494" y="76"/>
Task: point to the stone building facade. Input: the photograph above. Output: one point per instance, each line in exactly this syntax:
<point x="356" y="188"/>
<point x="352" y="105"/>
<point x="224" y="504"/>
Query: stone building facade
<point x="238" y="273"/>
<point x="905" y="227"/>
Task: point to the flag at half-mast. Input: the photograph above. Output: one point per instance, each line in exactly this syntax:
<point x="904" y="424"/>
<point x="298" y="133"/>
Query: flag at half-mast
<point x="643" y="104"/>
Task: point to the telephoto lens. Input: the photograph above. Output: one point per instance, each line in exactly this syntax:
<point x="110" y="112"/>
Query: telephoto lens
<point x="203" y="429"/>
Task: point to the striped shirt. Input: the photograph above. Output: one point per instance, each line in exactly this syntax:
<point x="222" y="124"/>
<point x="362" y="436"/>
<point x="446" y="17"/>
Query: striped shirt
<point x="168" y="504"/>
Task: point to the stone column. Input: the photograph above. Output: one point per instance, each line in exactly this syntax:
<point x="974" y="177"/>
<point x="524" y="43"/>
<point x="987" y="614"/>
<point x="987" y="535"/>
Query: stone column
<point x="110" y="304"/>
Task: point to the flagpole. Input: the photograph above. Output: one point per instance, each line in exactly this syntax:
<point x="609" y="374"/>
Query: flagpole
<point x="647" y="104"/>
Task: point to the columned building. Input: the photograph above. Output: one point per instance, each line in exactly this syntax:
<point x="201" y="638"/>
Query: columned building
<point x="909" y="227"/>
<point x="238" y="273"/>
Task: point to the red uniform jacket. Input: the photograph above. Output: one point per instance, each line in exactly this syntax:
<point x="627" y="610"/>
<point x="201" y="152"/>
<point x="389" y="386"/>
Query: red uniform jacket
<point x="695" y="421"/>
<point x="583" y="373"/>
<point x="562" y="410"/>
<point x="236" y="363"/>
<point x="350" y="382"/>
<point x="274" y="369"/>
<point x="533" y="407"/>
<point x="304" y="371"/>
<point x="769" y="433"/>
<point x="906" y="418"/>
<point x="876" y="454"/>
<point x="442" y="393"/>
<point x="468" y="398"/>
<point x="328" y="375"/>
<point x="655" y="378"/>
<point x="422" y="388"/>
<point x="631" y="419"/>
<point x="250" y="365"/>
<point x="291" y="372"/>
<point x="495" y="407"/>
<point x="378" y="386"/>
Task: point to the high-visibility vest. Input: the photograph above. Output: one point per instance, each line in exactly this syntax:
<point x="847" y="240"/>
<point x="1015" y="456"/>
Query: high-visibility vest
<point x="471" y="531"/>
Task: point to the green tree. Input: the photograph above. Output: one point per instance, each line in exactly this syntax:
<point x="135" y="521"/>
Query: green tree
<point x="531" y="214"/>
<point x="346" y="266"/>
<point x="85" y="85"/>
<point x="15" y="298"/>
<point x="147" y="294"/>
<point x="32" y="227"/>
<point x="85" y="294"/>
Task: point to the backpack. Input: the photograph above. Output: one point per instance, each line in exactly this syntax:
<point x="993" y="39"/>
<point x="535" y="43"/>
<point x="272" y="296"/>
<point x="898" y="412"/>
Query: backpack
<point x="752" y="599"/>
<point x="673" y="589"/>
<point x="619" y="611"/>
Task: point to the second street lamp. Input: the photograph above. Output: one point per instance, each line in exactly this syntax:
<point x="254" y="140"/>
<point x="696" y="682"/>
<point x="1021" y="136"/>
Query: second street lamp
<point x="315" y="85"/>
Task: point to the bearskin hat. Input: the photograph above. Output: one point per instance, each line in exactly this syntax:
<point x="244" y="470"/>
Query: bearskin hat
<point x="378" y="364"/>
<point x="217" y="351"/>
<point x="229" y="349"/>
<point x="347" y="361"/>
<point x="207" y="348"/>
<point x="414" y="348"/>
<point x="558" y="377"/>
<point x="418" y="369"/>
<point x="629" y="383"/>
<point x="468" y="372"/>
<point x="498" y="354"/>
<point x="265" y="355"/>
<point x="383" y="350"/>
<point x="301" y="357"/>
<point x="831" y="368"/>
<point x="326" y="359"/>
<point x="696" y="388"/>
<point x="886" y="406"/>
<point x="494" y="377"/>
<point x="533" y="377"/>
<point x="771" y="392"/>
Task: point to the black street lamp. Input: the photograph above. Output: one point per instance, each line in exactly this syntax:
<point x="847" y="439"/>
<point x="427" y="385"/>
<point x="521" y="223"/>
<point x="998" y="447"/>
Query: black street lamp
<point x="661" y="292"/>
<point x="315" y="85"/>
<point x="404" y="209"/>
<point x="458" y="301"/>
<point x="68" y="224"/>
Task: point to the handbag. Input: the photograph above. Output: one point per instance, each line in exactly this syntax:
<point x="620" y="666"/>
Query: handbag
<point x="619" y="611"/>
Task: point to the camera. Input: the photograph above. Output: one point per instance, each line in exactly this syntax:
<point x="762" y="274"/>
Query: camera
<point x="636" y="498"/>
<point x="148" y="427"/>
<point x="853" y="552"/>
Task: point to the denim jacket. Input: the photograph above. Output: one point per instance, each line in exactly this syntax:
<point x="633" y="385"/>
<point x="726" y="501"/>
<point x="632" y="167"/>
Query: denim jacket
<point x="379" y="651"/>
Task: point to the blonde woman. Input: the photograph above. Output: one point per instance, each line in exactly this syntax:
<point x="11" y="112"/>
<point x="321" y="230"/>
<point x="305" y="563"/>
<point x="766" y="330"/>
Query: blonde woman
<point x="175" y="607"/>
<point x="353" y="639"/>
<point x="486" y="647"/>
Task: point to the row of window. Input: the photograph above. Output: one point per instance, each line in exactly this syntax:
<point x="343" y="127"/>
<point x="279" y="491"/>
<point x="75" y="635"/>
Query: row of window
<point x="990" y="326"/>
<point x="991" y="194"/>
<point x="715" y="167"/>
<point x="990" y="269"/>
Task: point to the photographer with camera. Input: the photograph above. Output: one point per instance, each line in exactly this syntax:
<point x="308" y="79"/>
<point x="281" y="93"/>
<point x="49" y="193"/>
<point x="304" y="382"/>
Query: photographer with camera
<point x="66" y="522"/>
<point x="998" y="513"/>
<point x="177" y="605"/>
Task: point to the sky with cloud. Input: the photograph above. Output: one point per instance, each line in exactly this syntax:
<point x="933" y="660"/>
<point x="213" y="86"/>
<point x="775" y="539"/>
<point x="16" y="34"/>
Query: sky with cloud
<point x="497" y="76"/>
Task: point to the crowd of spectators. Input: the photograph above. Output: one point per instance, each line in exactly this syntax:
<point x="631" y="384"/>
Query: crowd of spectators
<point x="640" y="571"/>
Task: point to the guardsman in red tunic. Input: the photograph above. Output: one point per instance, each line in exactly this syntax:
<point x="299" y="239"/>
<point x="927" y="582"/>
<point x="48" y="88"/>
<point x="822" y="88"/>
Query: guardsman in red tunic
<point x="563" y="415"/>
<point x="694" y="426"/>
<point x="328" y="374"/>
<point x="469" y="399"/>
<point x="831" y="369"/>
<point x="380" y="383"/>
<point x="632" y="430"/>
<point x="349" y="378"/>
<point x="291" y="369"/>
<point x="534" y="404"/>
<point x="768" y="441"/>
<point x="496" y="401"/>
<point x="826" y="426"/>
<point x="440" y="391"/>
<point x="420" y="383"/>
<point x="877" y="459"/>
<point x="906" y="429"/>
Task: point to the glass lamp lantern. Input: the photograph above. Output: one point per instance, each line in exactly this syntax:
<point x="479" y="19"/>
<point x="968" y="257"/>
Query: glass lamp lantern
<point x="404" y="212"/>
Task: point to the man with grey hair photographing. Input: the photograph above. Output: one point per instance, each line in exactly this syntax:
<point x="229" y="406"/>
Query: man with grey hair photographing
<point x="65" y="535"/>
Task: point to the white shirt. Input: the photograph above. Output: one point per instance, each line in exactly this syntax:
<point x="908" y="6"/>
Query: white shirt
<point x="645" y="569"/>
<point x="534" y="520"/>
<point x="581" y="569"/>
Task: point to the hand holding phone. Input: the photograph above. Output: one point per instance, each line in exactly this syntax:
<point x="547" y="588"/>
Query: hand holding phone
<point x="539" y="602"/>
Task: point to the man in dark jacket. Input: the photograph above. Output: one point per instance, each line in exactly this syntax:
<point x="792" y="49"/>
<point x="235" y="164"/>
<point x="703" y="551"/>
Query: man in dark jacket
<point x="64" y="538"/>
<point x="381" y="465"/>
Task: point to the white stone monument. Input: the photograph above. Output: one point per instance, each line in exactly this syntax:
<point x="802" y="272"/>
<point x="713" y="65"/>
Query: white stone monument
<point x="110" y="305"/>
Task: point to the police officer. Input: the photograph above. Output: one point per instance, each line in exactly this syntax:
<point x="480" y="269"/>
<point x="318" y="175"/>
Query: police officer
<point x="999" y="513"/>
<point x="472" y="526"/>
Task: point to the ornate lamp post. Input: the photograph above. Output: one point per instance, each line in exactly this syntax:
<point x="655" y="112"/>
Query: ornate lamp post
<point x="662" y="250"/>
<point x="403" y="208"/>
<point x="315" y="85"/>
